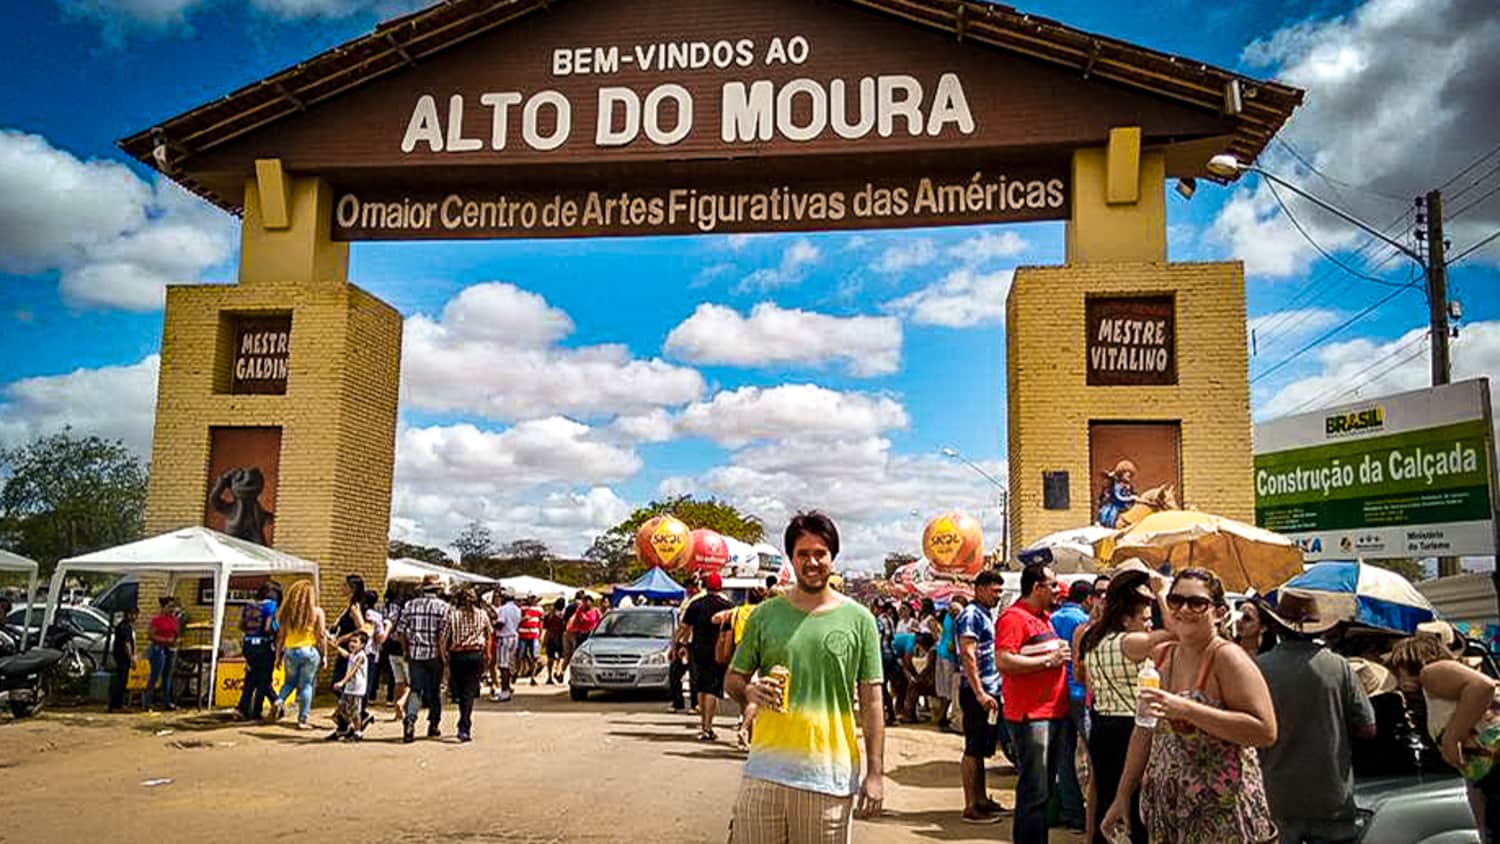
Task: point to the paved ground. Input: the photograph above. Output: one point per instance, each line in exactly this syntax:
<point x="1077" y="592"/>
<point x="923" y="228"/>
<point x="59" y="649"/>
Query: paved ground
<point x="541" y="769"/>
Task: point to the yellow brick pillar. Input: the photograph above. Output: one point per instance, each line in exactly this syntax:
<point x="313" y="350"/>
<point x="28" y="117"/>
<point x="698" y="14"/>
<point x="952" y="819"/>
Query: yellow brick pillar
<point x="1116" y="250"/>
<point x="336" y="411"/>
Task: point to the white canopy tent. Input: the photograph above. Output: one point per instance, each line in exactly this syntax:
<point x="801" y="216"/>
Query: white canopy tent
<point x="191" y="550"/>
<point x="525" y="584"/>
<point x="407" y="569"/>
<point x="15" y="562"/>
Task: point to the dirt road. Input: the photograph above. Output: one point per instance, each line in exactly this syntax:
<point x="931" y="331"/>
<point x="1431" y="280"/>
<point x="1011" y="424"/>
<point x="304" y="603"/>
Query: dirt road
<point x="541" y="769"/>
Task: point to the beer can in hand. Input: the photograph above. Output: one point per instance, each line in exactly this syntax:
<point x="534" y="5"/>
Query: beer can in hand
<point x="782" y="675"/>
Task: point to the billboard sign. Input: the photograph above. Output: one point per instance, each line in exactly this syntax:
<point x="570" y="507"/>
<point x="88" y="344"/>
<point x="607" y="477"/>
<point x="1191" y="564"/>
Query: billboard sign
<point x="1407" y="475"/>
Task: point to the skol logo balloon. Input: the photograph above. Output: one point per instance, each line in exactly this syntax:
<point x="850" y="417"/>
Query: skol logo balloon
<point x="954" y="543"/>
<point x="710" y="551"/>
<point x="663" y="541"/>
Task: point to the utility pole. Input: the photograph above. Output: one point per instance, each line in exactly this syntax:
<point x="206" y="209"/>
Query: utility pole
<point x="1437" y="288"/>
<point x="1437" y="309"/>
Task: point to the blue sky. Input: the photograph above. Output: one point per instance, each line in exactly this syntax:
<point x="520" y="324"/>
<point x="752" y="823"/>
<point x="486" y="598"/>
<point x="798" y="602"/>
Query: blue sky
<point x="918" y="313"/>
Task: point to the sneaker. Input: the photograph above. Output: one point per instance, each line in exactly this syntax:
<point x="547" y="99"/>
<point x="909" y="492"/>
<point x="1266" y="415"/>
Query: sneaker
<point x="979" y="818"/>
<point x="334" y="736"/>
<point x="353" y="737"/>
<point x="990" y="807"/>
<point x="278" y="711"/>
<point x="504" y="697"/>
<point x="495" y="696"/>
<point x="434" y="732"/>
<point x="465" y="738"/>
<point x="303" y="725"/>
<point x="408" y="732"/>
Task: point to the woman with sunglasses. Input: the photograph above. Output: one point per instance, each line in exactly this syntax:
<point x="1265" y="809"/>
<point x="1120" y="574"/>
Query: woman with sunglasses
<point x="1199" y="778"/>
<point x="1110" y="651"/>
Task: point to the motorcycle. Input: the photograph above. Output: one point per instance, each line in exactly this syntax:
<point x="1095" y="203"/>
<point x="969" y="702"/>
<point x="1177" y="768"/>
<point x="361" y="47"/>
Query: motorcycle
<point x="57" y="669"/>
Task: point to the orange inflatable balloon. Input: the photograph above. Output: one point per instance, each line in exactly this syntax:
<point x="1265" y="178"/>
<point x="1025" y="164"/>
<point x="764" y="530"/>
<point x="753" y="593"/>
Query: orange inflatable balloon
<point x="664" y="541"/>
<point x="954" y="544"/>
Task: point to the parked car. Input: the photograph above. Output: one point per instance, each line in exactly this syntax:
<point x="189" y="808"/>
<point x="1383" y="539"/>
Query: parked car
<point x="92" y="625"/>
<point x="629" y="650"/>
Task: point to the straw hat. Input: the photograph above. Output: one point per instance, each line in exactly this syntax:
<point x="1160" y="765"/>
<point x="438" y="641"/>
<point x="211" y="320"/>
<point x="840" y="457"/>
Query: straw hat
<point x="431" y="583"/>
<point x="1300" y="612"/>
<point x="1446" y="633"/>
<point x="1376" y="678"/>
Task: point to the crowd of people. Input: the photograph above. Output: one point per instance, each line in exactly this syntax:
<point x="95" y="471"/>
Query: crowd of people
<point x="1246" y="731"/>
<point x="1133" y="707"/>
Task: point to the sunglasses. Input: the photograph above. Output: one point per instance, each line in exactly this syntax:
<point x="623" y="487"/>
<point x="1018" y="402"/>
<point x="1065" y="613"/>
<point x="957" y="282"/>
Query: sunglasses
<point x="1194" y="604"/>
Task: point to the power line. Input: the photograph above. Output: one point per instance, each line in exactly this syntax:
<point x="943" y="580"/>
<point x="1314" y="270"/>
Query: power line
<point x="1472" y="249"/>
<point x="1486" y="195"/>
<point x="1476" y="183"/>
<point x="1321" y="251"/>
<point x="1335" y="330"/>
<point x="1475" y="163"/>
<point x="1419" y="339"/>
<point x="1289" y="318"/>
<point x="1331" y="181"/>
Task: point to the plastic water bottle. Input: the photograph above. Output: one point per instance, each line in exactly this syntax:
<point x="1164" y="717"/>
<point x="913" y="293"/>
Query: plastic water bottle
<point x="1148" y="678"/>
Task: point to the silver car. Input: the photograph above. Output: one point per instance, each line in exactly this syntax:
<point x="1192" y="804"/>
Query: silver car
<point x="630" y="649"/>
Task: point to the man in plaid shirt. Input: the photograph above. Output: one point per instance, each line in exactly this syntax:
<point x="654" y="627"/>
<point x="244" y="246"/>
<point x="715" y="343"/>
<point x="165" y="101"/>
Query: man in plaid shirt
<point x="421" y="630"/>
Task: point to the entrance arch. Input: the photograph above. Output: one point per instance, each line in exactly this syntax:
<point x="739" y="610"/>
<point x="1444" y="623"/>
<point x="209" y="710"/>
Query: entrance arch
<point x="486" y="119"/>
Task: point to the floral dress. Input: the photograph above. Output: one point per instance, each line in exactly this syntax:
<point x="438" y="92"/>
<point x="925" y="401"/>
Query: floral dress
<point x="1200" y="789"/>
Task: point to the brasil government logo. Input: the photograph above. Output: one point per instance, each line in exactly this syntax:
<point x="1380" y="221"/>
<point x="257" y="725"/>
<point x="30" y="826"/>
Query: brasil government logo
<point x="1355" y="421"/>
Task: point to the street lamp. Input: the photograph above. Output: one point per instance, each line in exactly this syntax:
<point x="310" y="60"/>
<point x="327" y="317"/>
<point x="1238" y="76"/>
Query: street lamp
<point x="1001" y="492"/>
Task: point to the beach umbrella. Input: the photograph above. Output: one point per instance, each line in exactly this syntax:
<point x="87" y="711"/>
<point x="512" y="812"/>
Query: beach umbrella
<point x="1244" y="556"/>
<point x="1068" y="551"/>
<point x="1360" y="593"/>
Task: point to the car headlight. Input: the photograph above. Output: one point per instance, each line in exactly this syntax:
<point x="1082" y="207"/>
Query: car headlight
<point x="659" y="658"/>
<point x="583" y="658"/>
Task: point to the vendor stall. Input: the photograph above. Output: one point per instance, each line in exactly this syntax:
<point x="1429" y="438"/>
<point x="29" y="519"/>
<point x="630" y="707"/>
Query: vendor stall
<point x="194" y="551"/>
<point x="407" y="570"/>
<point x="654" y="585"/>
<point x="17" y="563"/>
<point x="545" y="589"/>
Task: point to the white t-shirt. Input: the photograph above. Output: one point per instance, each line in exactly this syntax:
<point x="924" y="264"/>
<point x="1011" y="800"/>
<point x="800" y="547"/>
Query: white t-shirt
<point x="377" y="623"/>
<point x="359" y="672"/>
<point x="508" y="619"/>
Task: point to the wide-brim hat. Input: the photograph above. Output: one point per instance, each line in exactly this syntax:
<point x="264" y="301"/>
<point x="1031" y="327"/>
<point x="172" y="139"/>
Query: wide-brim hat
<point x="1446" y="633"/>
<point x="1376" y="678"/>
<point x="1300" y="612"/>
<point x="431" y="583"/>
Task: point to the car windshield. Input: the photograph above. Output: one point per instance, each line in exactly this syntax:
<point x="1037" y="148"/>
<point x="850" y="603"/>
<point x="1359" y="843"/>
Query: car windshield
<point x="636" y="625"/>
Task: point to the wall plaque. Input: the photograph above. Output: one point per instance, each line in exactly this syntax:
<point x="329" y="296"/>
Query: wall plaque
<point x="1132" y="341"/>
<point x="261" y="350"/>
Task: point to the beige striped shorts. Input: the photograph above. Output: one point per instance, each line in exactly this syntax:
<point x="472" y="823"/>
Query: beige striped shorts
<point x="771" y="813"/>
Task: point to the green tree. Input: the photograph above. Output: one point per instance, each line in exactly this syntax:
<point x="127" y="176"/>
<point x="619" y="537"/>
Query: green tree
<point x="397" y="550"/>
<point x="66" y="495"/>
<point x="474" y="542"/>
<point x="614" y="550"/>
<point x="1404" y="566"/>
<point x="895" y="560"/>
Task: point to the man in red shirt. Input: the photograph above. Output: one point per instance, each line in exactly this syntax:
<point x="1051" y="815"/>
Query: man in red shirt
<point x="1034" y="680"/>
<point x="163" y="631"/>
<point x="528" y="656"/>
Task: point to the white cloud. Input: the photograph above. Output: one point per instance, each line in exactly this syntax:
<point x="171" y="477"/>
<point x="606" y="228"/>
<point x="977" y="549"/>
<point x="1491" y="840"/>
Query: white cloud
<point x="905" y="256"/>
<point x="116" y="241"/>
<point x="964" y="297"/>
<point x="794" y="261"/>
<point x="1361" y="368"/>
<point x="493" y="353"/>
<point x="868" y="490"/>
<point x="657" y="426"/>
<point x="771" y="335"/>
<point x="1379" y="129"/>
<point x="544" y="479"/>
<point x="1284" y="327"/>
<point x="114" y="402"/>
<point x="742" y="416"/>
<point x="988" y="246"/>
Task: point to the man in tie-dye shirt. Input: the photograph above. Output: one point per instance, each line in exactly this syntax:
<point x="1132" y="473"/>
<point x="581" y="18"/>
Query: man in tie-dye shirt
<point x="804" y="769"/>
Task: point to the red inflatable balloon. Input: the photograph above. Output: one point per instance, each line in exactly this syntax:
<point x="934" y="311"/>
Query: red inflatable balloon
<point x="663" y="541"/>
<point x="954" y="544"/>
<point x="709" y="551"/>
